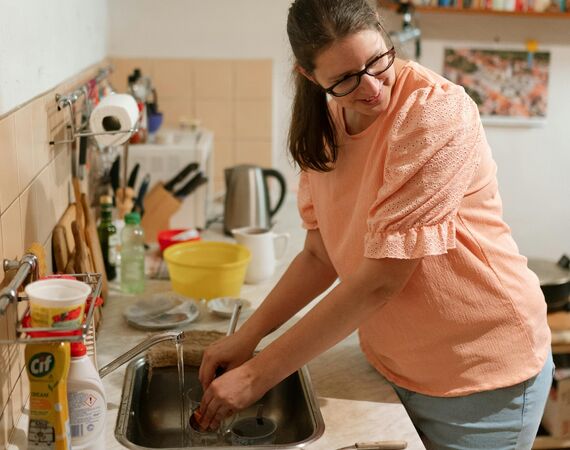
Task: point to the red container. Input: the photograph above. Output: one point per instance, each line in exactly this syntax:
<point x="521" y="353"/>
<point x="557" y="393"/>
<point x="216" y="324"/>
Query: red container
<point x="165" y="237"/>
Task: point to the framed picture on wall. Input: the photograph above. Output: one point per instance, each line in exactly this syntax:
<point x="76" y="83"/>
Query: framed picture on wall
<point x="510" y="87"/>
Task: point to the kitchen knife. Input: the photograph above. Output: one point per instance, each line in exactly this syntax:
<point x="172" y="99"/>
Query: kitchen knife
<point x="82" y="157"/>
<point x="196" y="181"/>
<point x="139" y="204"/>
<point x="115" y="173"/>
<point x="169" y="186"/>
<point x="133" y="176"/>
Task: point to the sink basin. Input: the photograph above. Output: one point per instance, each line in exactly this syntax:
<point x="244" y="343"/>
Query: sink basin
<point x="149" y="414"/>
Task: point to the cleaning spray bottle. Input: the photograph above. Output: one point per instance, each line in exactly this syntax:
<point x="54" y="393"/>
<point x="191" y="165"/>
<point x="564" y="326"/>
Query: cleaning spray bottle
<point x="47" y="366"/>
<point x="86" y="399"/>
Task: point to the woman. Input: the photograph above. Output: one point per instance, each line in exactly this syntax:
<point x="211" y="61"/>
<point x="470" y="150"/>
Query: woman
<point x="399" y="197"/>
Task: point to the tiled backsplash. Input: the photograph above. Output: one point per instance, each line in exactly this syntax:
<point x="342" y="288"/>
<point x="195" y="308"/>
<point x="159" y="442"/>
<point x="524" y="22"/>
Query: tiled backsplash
<point x="230" y="97"/>
<point x="34" y="192"/>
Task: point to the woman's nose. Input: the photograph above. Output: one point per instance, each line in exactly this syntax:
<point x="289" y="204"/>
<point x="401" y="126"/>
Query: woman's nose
<point x="369" y="84"/>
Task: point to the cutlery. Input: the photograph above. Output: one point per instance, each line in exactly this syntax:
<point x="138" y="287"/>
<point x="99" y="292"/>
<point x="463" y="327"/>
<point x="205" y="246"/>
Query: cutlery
<point x="195" y="182"/>
<point x="169" y="186"/>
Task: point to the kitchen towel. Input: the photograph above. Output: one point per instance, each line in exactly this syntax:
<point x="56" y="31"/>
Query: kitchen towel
<point x="115" y="112"/>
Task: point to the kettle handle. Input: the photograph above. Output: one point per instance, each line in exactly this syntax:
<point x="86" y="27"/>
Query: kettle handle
<point x="267" y="173"/>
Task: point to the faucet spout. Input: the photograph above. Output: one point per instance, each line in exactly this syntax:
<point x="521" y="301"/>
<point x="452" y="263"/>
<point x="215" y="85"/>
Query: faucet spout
<point x="129" y="355"/>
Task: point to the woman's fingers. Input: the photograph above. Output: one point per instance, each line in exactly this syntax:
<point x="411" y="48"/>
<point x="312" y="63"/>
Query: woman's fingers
<point x="207" y="371"/>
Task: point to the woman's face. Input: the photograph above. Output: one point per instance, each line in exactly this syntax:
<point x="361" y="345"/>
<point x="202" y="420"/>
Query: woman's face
<point x="350" y="55"/>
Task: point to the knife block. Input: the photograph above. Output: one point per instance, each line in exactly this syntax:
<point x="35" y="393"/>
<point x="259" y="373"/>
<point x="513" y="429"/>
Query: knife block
<point x="159" y="206"/>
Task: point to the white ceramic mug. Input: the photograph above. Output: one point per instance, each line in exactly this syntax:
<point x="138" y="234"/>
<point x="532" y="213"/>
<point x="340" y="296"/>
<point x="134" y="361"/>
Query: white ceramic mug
<point x="266" y="248"/>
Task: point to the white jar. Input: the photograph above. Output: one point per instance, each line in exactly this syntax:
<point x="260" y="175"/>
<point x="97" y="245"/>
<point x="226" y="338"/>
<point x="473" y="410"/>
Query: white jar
<point x="86" y="399"/>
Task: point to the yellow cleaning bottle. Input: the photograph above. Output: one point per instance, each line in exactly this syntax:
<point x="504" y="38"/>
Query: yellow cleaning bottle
<point x="47" y="366"/>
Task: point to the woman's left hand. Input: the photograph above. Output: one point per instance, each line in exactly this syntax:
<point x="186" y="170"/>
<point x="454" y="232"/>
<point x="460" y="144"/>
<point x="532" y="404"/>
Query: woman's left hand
<point x="233" y="391"/>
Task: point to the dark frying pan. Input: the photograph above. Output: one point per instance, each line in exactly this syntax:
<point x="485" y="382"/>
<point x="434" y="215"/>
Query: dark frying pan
<point x="554" y="280"/>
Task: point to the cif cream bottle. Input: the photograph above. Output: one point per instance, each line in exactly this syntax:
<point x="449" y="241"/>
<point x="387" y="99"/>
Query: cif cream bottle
<point x="47" y="366"/>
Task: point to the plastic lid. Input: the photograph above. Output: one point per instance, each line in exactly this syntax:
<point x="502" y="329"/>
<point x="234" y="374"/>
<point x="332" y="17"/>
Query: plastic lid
<point x="78" y="349"/>
<point x="133" y="218"/>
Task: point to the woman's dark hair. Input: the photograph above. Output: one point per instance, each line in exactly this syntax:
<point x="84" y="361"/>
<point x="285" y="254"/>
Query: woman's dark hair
<point x="312" y="27"/>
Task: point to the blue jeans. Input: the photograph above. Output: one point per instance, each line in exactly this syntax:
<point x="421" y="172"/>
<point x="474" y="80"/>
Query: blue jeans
<point x="500" y="419"/>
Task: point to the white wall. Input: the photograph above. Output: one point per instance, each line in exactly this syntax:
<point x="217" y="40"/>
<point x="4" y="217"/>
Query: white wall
<point x="42" y="43"/>
<point x="532" y="162"/>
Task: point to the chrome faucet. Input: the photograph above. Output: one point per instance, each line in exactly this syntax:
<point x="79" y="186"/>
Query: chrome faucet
<point x="176" y="336"/>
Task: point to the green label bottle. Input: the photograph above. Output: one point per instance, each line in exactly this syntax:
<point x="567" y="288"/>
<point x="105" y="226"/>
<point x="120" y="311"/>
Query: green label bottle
<point x="108" y="237"/>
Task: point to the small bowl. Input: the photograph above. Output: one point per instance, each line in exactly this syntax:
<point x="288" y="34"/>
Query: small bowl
<point x="166" y="238"/>
<point x="224" y="306"/>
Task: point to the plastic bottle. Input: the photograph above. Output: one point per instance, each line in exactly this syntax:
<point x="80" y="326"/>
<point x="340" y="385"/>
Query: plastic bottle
<point x="47" y="366"/>
<point x="132" y="255"/>
<point x="86" y="400"/>
<point x="108" y="236"/>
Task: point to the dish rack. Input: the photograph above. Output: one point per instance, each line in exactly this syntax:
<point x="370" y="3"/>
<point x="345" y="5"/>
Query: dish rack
<point x="25" y="334"/>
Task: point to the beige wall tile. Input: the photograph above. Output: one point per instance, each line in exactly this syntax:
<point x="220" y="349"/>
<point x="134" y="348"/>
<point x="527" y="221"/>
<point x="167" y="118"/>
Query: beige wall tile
<point x="46" y="200"/>
<point x="253" y="152"/>
<point x="175" y="110"/>
<point x="12" y="241"/>
<point x="61" y="177"/>
<point x="253" y="79"/>
<point x="29" y="216"/>
<point x="173" y="78"/>
<point x="253" y="119"/>
<point x="16" y="398"/>
<point x="214" y="79"/>
<point x="25" y="145"/>
<point x="43" y="152"/>
<point x="123" y="67"/>
<point x="223" y="157"/>
<point x="9" y="184"/>
<point x="216" y="115"/>
<point x="5" y="387"/>
<point x="56" y="118"/>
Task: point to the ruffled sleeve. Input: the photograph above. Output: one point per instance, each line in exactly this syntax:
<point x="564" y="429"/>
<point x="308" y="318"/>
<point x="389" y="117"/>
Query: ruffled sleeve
<point x="431" y="160"/>
<point x="305" y="203"/>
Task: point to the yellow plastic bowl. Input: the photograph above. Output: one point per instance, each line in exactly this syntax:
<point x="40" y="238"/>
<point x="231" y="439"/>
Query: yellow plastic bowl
<point x="207" y="269"/>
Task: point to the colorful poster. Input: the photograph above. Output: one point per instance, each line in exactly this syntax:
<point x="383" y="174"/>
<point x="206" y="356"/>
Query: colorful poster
<point x="508" y="86"/>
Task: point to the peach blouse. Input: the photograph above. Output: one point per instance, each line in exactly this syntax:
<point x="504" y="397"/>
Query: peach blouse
<point x="420" y="182"/>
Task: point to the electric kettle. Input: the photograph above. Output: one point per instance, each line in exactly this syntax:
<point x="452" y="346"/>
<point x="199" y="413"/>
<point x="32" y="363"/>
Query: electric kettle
<point x="248" y="202"/>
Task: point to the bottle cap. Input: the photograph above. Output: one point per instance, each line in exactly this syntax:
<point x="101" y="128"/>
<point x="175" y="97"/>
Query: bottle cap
<point x="106" y="200"/>
<point x="133" y="218"/>
<point x="78" y="349"/>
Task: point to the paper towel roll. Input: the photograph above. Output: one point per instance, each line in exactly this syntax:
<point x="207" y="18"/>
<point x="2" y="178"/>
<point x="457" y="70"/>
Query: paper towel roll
<point x="115" y="112"/>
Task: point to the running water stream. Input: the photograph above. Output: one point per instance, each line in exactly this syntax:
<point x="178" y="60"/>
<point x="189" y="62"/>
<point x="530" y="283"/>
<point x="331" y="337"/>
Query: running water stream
<point x="181" y="387"/>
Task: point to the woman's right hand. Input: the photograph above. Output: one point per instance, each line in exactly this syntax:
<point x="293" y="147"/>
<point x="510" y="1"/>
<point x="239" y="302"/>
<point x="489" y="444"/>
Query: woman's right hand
<point x="227" y="353"/>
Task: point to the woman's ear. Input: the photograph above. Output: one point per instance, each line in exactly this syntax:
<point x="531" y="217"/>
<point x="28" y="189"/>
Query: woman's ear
<point x="306" y="74"/>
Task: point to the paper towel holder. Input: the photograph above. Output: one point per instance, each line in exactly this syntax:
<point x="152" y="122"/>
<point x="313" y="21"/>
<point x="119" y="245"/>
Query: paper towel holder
<point x="69" y="102"/>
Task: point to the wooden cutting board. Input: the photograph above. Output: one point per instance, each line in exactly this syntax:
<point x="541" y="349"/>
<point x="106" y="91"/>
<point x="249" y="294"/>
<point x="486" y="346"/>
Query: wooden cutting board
<point x="92" y="239"/>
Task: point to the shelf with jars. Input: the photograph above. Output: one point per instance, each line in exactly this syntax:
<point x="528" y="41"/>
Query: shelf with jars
<point x="508" y="8"/>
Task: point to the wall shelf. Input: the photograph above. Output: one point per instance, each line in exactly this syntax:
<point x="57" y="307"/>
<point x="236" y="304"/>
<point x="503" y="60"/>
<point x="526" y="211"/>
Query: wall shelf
<point x="483" y="12"/>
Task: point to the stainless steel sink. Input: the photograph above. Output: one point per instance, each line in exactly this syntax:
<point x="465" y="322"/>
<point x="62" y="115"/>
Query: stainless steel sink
<point x="149" y="414"/>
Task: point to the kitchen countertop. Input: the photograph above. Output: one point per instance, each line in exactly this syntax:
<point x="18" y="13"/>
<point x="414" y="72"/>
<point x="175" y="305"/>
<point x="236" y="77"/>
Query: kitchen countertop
<point x="356" y="402"/>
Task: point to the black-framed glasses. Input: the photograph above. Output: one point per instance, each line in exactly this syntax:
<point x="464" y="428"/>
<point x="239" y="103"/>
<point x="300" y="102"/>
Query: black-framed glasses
<point x="349" y="83"/>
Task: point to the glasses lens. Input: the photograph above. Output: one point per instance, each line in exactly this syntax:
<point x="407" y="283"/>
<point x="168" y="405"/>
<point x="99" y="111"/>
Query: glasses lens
<point x="381" y="64"/>
<point x="345" y="86"/>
